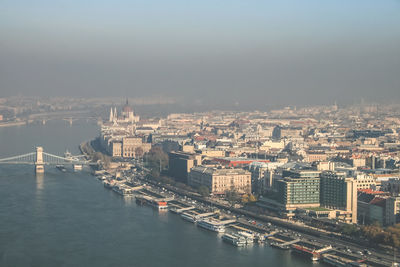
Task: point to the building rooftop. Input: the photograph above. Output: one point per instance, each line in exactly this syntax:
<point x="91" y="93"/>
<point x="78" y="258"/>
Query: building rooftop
<point x="217" y="171"/>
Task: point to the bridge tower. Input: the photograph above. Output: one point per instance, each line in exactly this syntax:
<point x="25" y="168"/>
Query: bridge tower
<point x="39" y="160"/>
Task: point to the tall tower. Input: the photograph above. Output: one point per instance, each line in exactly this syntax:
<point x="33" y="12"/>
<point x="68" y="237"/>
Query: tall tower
<point x="115" y="115"/>
<point x="335" y="106"/>
<point x="39" y="164"/>
<point x="111" y="115"/>
<point x="127" y="112"/>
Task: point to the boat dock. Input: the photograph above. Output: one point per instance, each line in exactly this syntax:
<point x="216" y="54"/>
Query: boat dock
<point x="224" y="220"/>
<point x="200" y="214"/>
<point x="258" y="233"/>
<point x="282" y="242"/>
<point x="247" y="228"/>
<point x="156" y="196"/>
<point x="179" y="207"/>
<point x="154" y="199"/>
<point x="311" y="250"/>
<point x="336" y="258"/>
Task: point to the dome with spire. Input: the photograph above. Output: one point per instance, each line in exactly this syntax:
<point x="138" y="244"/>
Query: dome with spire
<point x="127" y="109"/>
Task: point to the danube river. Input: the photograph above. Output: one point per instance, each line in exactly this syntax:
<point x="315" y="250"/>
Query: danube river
<point x="70" y="219"/>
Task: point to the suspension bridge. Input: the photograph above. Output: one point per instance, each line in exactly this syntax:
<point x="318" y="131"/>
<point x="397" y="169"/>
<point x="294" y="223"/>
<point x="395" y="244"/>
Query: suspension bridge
<point x="39" y="158"/>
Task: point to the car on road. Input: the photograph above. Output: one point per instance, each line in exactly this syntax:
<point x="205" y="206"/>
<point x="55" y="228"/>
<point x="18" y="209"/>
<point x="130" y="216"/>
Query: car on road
<point x="367" y="252"/>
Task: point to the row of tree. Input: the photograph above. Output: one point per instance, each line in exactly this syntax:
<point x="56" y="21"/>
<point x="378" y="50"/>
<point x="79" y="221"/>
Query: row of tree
<point x="388" y="236"/>
<point x="375" y="233"/>
<point x="156" y="160"/>
<point x="104" y="159"/>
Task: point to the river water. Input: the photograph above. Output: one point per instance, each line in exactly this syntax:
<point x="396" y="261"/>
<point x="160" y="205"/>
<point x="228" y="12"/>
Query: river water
<point x="70" y="219"/>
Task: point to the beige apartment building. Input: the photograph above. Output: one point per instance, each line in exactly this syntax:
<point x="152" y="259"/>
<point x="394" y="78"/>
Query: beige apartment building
<point x="212" y="153"/>
<point x="366" y="181"/>
<point x="219" y="181"/>
<point x="131" y="146"/>
<point x="115" y="148"/>
<point x="313" y="156"/>
<point x="127" y="147"/>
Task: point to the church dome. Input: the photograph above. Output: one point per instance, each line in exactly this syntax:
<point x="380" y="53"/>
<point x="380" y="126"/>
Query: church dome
<point x="127" y="108"/>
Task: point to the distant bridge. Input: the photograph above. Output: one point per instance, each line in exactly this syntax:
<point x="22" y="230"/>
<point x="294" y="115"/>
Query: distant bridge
<point x="40" y="158"/>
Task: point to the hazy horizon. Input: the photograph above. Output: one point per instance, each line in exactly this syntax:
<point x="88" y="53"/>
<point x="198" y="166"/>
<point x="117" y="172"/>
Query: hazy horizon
<point x="229" y="53"/>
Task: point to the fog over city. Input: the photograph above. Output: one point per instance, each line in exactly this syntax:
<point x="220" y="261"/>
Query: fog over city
<point x="224" y="53"/>
<point x="200" y="133"/>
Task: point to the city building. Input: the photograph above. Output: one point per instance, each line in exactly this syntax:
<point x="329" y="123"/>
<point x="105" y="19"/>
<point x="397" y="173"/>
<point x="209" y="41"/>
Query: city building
<point x="258" y="170"/>
<point x="237" y="161"/>
<point x="307" y="173"/>
<point x="371" y="206"/>
<point x="127" y="115"/>
<point x="392" y="210"/>
<point x="180" y="164"/>
<point x="296" y="193"/>
<point x="134" y="147"/>
<point x="339" y="192"/>
<point x="365" y="181"/>
<point x="316" y="156"/>
<point x="115" y="148"/>
<point x="219" y="180"/>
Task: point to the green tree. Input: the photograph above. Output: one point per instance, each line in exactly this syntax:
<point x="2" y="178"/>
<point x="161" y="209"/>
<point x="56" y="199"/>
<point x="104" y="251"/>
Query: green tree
<point x="350" y="230"/>
<point x="156" y="159"/>
<point x="139" y="152"/>
<point x="105" y="160"/>
<point x="252" y="198"/>
<point x="394" y="241"/>
<point x="154" y="173"/>
<point x="245" y="199"/>
<point x="232" y="196"/>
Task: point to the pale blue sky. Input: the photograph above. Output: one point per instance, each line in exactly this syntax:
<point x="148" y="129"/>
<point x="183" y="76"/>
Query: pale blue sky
<point x="282" y="51"/>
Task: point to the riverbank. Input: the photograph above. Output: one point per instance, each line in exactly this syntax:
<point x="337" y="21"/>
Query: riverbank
<point x="11" y="124"/>
<point x="132" y="179"/>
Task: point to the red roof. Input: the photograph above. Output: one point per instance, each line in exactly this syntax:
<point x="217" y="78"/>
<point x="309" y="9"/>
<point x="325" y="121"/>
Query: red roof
<point x="372" y="192"/>
<point x="378" y="201"/>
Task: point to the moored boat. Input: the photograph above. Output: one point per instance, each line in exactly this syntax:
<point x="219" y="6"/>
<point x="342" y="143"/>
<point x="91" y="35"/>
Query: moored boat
<point x="249" y="238"/>
<point x="211" y="225"/>
<point x="189" y="217"/>
<point x="306" y="251"/>
<point x="234" y="239"/>
<point x="161" y="205"/>
<point x="61" y="168"/>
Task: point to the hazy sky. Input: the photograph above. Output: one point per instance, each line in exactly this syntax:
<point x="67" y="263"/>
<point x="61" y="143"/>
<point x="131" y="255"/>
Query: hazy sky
<point x="246" y="52"/>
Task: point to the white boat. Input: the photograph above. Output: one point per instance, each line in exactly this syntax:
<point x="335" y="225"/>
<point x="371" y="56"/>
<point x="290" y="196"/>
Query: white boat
<point x="210" y="225"/>
<point x="314" y="258"/>
<point x="188" y="217"/>
<point x="174" y="210"/>
<point x="78" y="167"/>
<point x="122" y="191"/>
<point x="61" y="168"/>
<point x="249" y="238"/>
<point x="234" y="240"/>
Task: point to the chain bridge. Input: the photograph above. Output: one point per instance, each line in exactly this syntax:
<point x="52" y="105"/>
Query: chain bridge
<point x="39" y="158"/>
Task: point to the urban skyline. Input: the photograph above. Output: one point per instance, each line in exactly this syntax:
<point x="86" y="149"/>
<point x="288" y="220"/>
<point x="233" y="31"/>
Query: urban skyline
<point x="208" y="133"/>
<point x="251" y="53"/>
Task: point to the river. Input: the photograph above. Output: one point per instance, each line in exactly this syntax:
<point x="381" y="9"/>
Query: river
<point x="70" y="219"/>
